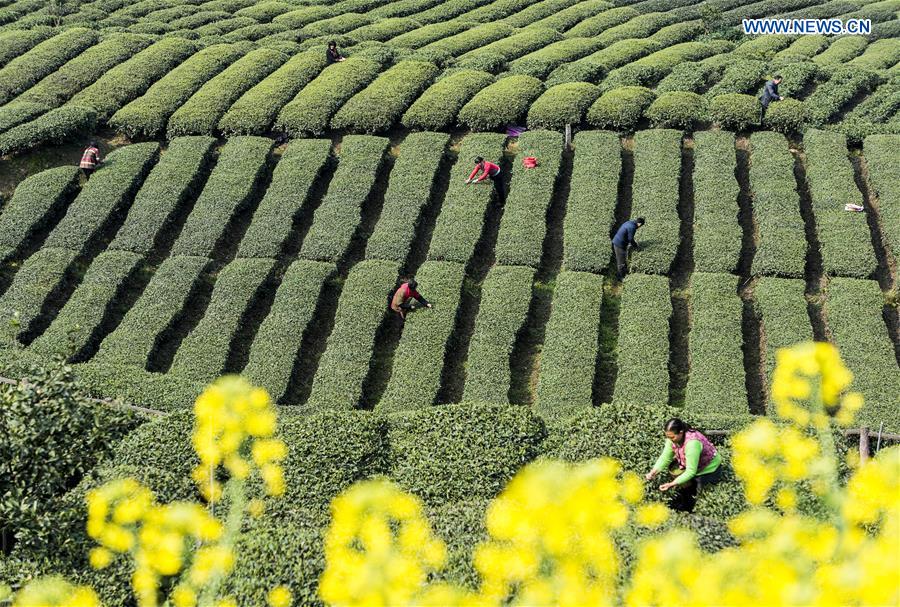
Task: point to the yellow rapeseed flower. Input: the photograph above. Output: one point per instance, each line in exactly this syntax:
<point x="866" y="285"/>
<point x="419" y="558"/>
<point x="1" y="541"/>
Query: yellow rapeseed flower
<point x="280" y="596"/>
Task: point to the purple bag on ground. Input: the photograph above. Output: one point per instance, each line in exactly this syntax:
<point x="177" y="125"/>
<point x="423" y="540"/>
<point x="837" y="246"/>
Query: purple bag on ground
<point x="515" y="131"/>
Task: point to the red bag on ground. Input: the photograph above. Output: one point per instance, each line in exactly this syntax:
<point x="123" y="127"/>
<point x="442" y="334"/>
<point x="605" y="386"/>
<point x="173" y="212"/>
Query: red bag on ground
<point x="529" y="162"/>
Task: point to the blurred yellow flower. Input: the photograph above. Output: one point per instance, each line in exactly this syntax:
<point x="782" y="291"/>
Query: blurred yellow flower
<point x="280" y="596"/>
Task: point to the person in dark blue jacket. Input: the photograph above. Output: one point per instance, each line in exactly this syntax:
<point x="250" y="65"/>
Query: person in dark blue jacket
<point x="769" y="94"/>
<point x="621" y="242"/>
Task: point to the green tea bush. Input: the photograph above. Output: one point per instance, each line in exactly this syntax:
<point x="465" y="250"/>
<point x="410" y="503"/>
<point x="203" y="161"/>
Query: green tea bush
<point x="841" y="50"/>
<point x="427" y="34"/>
<point x="734" y="111"/>
<point x="460" y="222"/>
<point x="134" y="340"/>
<point x="338" y="217"/>
<point x="255" y="111"/>
<point x="677" y="33"/>
<point x="640" y="26"/>
<point x="493" y="57"/>
<point x="680" y="109"/>
<point x="803" y="48"/>
<point x="465" y="41"/>
<point x="523" y="226"/>
<point x="81" y="317"/>
<point x="48" y="56"/>
<point x="201" y="113"/>
<point x="263" y="12"/>
<point x="603" y="21"/>
<point x="776" y="207"/>
<point x="420" y="357"/>
<point x="461" y="525"/>
<point x="717" y="234"/>
<point x="109" y="191"/>
<point x="302" y="16"/>
<point x="18" y="112"/>
<point x="561" y="105"/>
<point x="716" y="382"/>
<point x="569" y="17"/>
<point x="257" y="32"/>
<point x="277" y="344"/>
<point x="463" y="450"/>
<point x="643" y="347"/>
<point x="148" y="115"/>
<point x="338" y="382"/>
<point x="742" y="76"/>
<point x="844" y="238"/>
<point x="216" y="29"/>
<point x="203" y="354"/>
<point x="315" y="104"/>
<point x="788" y="116"/>
<point x="537" y="11"/>
<point x="569" y="356"/>
<point x="39" y="276"/>
<point x="880" y="154"/>
<point x="36" y="199"/>
<point x="56" y="126"/>
<point x="657" y="170"/>
<point x="879" y="55"/>
<point x="231" y="186"/>
<point x="163" y="444"/>
<point x="762" y="48"/>
<point x="15" y="43"/>
<point x="83" y="70"/>
<point x="167" y="188"/>
<point x="695" y="77"/>
<point x="496" y="10"/>
<point x="784" y="321"/>
<point x="380" y="105"/>
<point x="505" y="298"/>
<point x="133" y="77"/>
<point x="620" y="109"/>
<point x="292" y="184"/>
<point x="448" y="10"/>
<point x="501" y="103"/>
<point x="541" y="62"/>
<point x="438" y="106"/>
<point x="402" y="8"/>
<point x="197" y="19"/>
<point x="407" y="196"/>
<point x="383" y="29"/>
<point x="845" y="84"/>
<point x="339" y="24"/>
<point x="854" y="311"/>
<point x="593" y="191"/>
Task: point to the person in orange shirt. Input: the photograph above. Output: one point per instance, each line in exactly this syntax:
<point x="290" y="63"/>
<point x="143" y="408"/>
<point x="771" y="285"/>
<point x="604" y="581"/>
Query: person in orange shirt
<point x="491" y="171"/>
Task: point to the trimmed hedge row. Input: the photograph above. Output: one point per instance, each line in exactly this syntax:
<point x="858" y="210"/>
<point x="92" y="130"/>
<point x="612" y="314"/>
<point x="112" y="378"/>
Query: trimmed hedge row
<point x="716" y="381"/>
<point x="541" y="62"/>
<point x="292" y="183"/>
<point x="79" y="320"/>
<point x="695" y="77"/>
<point x="419" y="359"/>
<point x="845" y="84"/>
<point x="741" y="76"/>
<point x="338" y="217"/>
<point x="36" y="199"/>
<point x="602" y="21"/>
<point x="788" y="116"/>
<point x="504" y="102"/>
<point x="380" y="105"/>
<point x="133" y="77"/>
<point x="203" y="355"/>
<point x="657" y="168"/>
<point x="571" y="16"/>
<point x="649" y="70"/>
<point x="462" y="215"/>
<point x="110" y="190"/>
<point x="84" y="69"/>
<point x="841" y="50"/>
<point x="383" y="29"/>
<point x="135" y="339"/>
<point x="56" y="126"/>
<point x="255" y="111"/>
<point x="776" y="207"/>
<point x="48" y="56"/>
<point x="593" y="192"/>
<point x="854" y="312"/>
<point x="761" y="47"/>
<point x="338" y="382"/>
<point x="520" y="240"/>
<point x="14" y="43"/>
<point x="734" y="111"/>
<point x="781" y="307"/>
<point x="844" y="238"/>
<point x="277" y="345"/>
<point x="804" y="47"/>
<point x="505" y="298"/>
<point x="409" y="192"/>
<point x="569" y="356"/>
<point x="148" y="115"/>
<point x="620" y="108"/>
<point x="717" y="233"/>
<point x="201" y="113"/>
<point x="38" y="277"/>
<point x="881" y="159"/>
<point x="643" y="348"/>
<point x="561" y="105"/>
<point x="429" y="33"/>
<point x="315" y="104"/>
<point x="880" y="55"/>
<point x="18" y="112"/>
<point x="797" y="75"/>
<point x="593" y="67"/>
<point x="463" y="42"/>
<point x="439" y="105"/>
<point x="493" y="57"/>
<point x="679" y="109"/>
<point x="168" y="186"/>
<point x="230" y="188"/>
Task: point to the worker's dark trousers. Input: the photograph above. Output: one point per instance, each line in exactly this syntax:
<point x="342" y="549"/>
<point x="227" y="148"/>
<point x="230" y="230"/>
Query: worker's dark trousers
<point x="499" y="185"/>
<point x="685" y="497"/>
<point x="762" y="112"/>
<point x="87" y="172"/>
<point x="621" y="261"/>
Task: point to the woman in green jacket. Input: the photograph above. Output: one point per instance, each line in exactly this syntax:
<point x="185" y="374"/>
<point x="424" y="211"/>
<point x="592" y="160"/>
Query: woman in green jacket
<point x="699" y="464"/>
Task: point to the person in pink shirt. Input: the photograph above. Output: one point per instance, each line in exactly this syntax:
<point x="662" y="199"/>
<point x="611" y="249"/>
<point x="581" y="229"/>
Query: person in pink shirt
<point x="491" y="171"/>
<point x="399" y="298"/>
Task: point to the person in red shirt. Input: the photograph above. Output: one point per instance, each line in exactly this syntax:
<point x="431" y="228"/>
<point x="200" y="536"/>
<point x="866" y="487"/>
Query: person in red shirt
<point x="90" y="158"/>
<point x="491" y="171"/>
<point x="399" y="298"/>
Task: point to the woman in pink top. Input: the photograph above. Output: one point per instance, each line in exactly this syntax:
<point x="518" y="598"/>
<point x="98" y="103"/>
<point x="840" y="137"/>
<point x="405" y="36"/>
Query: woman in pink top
<point x="699" y="464"/>
<point x="491" y="171"/>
